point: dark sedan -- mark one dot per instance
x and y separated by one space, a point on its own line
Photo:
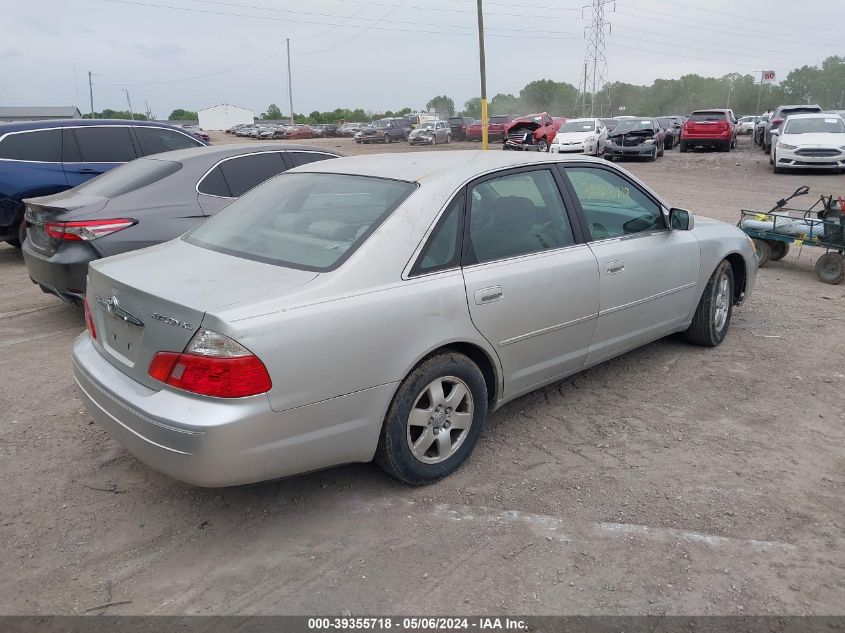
632 138
145 202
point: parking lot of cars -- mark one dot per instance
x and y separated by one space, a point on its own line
669 480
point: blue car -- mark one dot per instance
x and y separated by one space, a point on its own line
40 158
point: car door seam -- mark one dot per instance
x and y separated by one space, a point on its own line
545 330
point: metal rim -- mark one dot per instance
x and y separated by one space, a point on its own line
440 419
723 302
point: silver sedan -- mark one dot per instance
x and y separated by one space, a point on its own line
379 307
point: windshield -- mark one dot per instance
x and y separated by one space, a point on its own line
456 119
302 220
634 125
816 125
380 123
426 126
130 177
706 117
578 126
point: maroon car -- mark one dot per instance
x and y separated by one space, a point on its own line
299 131
496 126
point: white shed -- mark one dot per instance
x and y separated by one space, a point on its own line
224 116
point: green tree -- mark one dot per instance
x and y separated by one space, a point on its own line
504 104
183 115
116 114
473 108
442 105
273 113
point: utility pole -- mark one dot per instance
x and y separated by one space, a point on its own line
730 89
129 103
584 97
483 68
91 93
147 106
759 96
290 84
596 56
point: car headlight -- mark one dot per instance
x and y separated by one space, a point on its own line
648 141
610 141
589 139
786 146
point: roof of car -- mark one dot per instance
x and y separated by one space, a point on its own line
235 149
54 123
457 166
814 115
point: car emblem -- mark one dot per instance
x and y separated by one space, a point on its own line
167 320
112 306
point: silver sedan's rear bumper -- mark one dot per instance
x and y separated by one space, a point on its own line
220 442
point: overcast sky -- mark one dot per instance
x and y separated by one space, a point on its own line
380 54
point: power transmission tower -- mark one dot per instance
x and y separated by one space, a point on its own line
596 58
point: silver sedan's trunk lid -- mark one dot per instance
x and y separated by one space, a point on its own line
154 300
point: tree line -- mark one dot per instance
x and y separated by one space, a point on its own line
823 84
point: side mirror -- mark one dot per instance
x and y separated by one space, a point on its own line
680 219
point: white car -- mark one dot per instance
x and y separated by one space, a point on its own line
585 136
746 125
809 141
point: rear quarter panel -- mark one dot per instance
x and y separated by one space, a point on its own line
20 179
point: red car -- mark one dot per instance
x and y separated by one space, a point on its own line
299 131
532 132
709 128
495 128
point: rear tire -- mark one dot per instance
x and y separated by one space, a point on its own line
712 317
683 147
778 249
423 413
764 252
830 268
388 139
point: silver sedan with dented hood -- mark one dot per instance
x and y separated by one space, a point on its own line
379 307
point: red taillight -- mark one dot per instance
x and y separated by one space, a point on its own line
86 230
89 320
212 365
776 122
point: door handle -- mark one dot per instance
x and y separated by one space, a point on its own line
488 295
616 266
87 171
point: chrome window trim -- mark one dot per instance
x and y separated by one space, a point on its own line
266 151
82 127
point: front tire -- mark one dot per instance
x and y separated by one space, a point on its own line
434 421
713 315
543 145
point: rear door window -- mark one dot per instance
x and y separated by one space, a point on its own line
154 140
245 172
111 144
43 146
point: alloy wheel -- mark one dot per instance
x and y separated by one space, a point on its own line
722 304
440 419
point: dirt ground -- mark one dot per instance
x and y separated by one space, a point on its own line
672 480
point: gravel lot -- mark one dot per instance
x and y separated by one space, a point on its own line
672 480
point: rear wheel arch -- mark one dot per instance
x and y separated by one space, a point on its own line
478 355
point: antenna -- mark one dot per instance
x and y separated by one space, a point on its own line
595 60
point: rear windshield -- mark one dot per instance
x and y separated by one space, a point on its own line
816 125
458 119
801 110
130 177
303 220
578 126
706 117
